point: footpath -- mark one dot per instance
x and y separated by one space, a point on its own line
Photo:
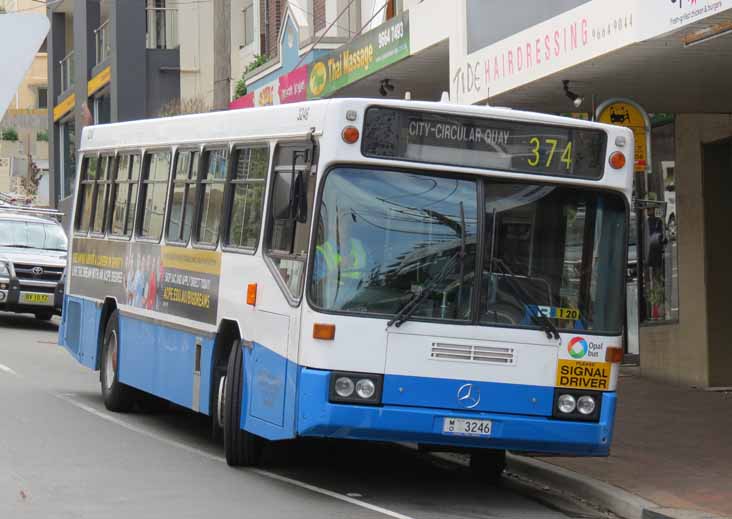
671 455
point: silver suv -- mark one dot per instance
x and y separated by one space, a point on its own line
32 261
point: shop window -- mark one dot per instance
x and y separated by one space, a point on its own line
655 244
247 196
155 183
183 197
212 199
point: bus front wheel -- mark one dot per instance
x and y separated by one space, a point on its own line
488 465
241 447
117 396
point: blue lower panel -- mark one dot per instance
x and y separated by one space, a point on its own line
80 329
161 361
318 417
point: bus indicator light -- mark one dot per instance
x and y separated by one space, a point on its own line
324 332
617 160
614 355
252 294
350 134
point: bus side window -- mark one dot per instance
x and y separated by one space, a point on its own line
102 193
211 198
246 197
183 197
291 208
155 183
86 194
123 199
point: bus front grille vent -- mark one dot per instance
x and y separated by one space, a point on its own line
472 353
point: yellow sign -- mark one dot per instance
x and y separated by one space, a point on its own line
630 116
202 261
64 107
98 81
579 374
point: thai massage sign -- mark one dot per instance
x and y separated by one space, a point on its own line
362 57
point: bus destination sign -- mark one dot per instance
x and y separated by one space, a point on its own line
484 143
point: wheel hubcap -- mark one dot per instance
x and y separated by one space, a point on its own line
110 361
220 402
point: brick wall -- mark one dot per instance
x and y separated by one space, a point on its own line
318 15
274 18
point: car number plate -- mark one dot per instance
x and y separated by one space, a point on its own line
466 427
36 299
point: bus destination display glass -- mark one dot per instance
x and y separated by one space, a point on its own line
484 143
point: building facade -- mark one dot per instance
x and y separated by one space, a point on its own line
108 61
24 127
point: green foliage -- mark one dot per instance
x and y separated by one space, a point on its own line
241 85
42 136
9 134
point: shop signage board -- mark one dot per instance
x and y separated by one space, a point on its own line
365 55
575 36
624 112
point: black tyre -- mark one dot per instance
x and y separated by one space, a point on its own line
117 396
241 447
488 465
44 316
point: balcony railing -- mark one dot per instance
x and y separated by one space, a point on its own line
103 39
162 28
67 71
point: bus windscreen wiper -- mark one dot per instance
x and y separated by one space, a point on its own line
406 311
537 316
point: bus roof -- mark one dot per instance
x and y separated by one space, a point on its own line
283 121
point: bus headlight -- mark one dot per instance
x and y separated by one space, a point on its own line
566 403
580 405
344 387
355 388
365 388
586 405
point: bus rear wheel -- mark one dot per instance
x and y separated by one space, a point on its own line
117 396
241 447
488 465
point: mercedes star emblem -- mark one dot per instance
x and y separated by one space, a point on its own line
468 395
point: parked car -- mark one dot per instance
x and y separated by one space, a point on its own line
33 248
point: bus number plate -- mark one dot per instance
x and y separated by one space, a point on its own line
466 427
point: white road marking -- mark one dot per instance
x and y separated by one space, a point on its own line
6 369
68 397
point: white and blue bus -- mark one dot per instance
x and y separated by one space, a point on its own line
449 276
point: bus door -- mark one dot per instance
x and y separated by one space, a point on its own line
286 249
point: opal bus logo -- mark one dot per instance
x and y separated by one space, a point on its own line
577 348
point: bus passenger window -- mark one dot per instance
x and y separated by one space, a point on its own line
247 197
86 193
212 201
102 190
183 196
155 182
122 200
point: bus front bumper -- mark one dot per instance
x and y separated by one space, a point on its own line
317 417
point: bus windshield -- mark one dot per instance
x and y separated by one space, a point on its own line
385 238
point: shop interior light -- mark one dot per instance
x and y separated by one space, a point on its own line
707 34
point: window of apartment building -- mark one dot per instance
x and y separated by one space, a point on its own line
248 20
154 186
212 197
42 95
67 148
102 108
